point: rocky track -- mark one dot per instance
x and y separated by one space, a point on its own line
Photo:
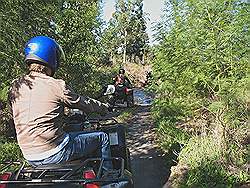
147 161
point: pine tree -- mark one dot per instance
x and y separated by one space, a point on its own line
128 30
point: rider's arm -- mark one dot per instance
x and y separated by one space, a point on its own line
86 104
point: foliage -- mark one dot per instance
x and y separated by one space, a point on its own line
200 72
78 30
125 116
126 30
9 150
169 135
207 169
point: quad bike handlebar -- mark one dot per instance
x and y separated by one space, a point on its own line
80 122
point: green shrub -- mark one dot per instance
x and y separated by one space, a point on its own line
201 75
170 135
207 165
9 150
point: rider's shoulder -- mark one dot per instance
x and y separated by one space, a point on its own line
18 81
57 82
61 82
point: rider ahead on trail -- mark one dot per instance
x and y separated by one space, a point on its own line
38 102
121 79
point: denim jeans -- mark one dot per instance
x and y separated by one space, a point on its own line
81 144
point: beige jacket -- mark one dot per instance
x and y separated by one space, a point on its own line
38 103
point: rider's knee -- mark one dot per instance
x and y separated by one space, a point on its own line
104 137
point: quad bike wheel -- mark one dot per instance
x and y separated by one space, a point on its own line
130 100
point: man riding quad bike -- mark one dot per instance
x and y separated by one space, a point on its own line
38 100
122 79
120 91
86 172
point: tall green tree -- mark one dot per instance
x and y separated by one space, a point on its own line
78 31
127 29
138 38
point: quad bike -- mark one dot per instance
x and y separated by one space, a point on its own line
119 94
83 172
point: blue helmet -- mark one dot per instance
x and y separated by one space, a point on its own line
45 51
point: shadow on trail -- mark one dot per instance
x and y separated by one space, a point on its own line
150 165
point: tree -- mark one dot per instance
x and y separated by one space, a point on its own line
201 75
79 32
127 29
138 39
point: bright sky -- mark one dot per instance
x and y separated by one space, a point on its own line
152 7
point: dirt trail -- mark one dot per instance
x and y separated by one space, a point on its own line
147 161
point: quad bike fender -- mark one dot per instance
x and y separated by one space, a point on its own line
110 90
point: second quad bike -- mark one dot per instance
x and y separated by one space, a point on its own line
119 94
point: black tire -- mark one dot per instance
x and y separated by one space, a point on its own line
111 100
128 161
130 100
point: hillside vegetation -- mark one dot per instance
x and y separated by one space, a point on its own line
201 77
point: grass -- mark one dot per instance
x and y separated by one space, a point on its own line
9 150
207 165
125 115
170 135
